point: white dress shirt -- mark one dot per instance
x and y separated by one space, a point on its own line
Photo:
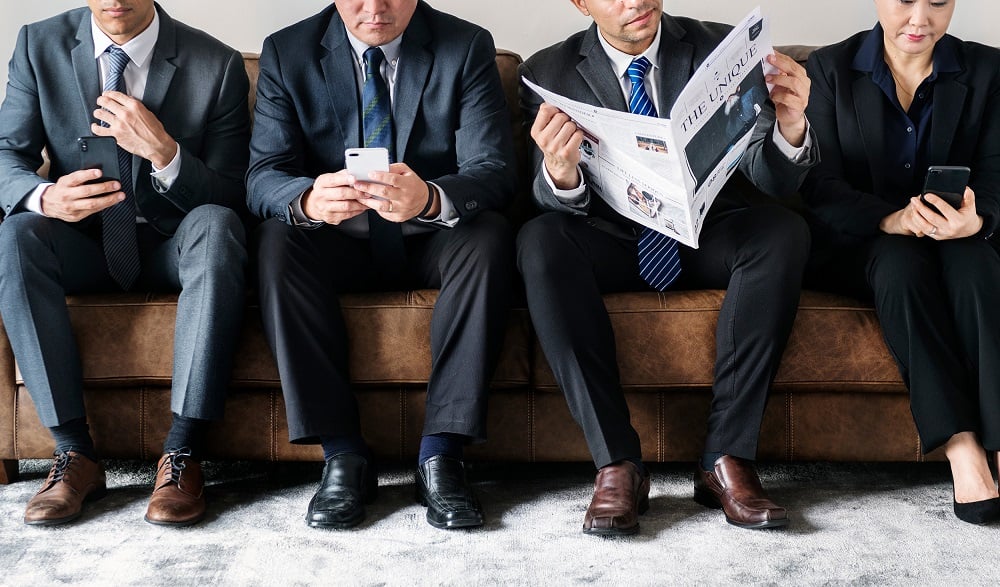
140 52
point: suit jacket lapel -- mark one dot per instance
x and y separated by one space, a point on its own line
949 99
596 71
338 71
675 61
868 103
161 73
414 68
86 71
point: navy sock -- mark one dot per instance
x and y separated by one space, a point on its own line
708 460
445 443
74 436
186 433
338 445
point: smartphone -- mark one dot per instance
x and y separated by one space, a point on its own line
99 153
949 182
361 161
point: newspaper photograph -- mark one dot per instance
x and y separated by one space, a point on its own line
664 173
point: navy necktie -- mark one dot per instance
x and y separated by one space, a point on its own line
659 259
386 237
121 249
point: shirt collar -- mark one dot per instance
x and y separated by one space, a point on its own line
620 60
139 48
871 56
390 49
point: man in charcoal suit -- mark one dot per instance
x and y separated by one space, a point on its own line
175 101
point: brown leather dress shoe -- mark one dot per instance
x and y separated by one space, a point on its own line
735 487
621 494
73 479
179 493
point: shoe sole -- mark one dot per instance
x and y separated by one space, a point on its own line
642 508
449 525
183 524
94 495
335 525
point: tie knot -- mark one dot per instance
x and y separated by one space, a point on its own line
637 70
373 60
118 58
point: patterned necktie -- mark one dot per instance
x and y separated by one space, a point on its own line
659 259
386 238
121 249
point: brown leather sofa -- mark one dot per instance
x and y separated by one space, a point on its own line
838 395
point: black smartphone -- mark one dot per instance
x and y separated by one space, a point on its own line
948 182
99 153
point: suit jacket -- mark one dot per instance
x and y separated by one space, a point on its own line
845 193
578 68
449 112
197 87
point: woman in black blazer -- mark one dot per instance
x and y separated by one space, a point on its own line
885 105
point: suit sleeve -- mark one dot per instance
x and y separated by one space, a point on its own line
484 147
541 191
767 167
827 191
215 173
22 136
277 147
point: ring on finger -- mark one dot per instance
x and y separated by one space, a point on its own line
390 211
932 232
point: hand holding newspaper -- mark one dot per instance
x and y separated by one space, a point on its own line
665 173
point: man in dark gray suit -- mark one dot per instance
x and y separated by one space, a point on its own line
423 85
175 100
636 58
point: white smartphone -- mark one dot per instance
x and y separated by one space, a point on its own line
361 161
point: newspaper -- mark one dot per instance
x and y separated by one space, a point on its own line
665 173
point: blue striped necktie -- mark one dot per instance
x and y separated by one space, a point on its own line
659 259
386 238
121 248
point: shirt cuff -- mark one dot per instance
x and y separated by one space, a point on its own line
573 196
298 215
794 154
448 216
33 203
163 179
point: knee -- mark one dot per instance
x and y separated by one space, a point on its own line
215 235
543 245
781 235
488 242
22 235
899 261
970 264
275 245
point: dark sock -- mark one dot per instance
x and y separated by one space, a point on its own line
74 436
445 443
708 460
186 433
338 445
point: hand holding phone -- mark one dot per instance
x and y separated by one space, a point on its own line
947 182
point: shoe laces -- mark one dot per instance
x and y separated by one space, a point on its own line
176 461
60 467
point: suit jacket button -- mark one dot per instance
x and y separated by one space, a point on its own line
470 206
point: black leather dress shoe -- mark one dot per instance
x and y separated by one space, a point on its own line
441 486
349 482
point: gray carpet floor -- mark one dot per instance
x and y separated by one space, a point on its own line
852 524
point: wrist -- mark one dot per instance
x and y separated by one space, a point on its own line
432 196
164 155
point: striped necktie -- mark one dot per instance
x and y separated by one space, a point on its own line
386 238
659 259
121 248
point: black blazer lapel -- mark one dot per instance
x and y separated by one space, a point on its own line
338 72
949 103
868 103
414 68
596 71
87 72
675 62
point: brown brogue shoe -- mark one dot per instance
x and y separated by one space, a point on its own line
73 479
179 493
734 486
621 494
